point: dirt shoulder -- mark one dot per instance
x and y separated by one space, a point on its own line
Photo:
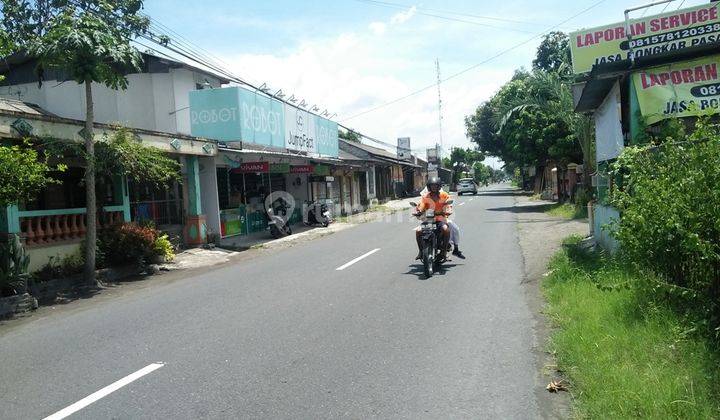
540 236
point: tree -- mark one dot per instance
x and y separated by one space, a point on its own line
349 135
461 160
554 96
90 39
553 54
22 173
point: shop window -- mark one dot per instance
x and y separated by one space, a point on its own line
162 205
223 184
69 192
371 181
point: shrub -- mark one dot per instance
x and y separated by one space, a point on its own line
13 267
58 267
128 243
164 248
670 206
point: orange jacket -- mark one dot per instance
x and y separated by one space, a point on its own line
426 202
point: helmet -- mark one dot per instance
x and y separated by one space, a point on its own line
433 181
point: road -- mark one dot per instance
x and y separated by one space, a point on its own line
287 335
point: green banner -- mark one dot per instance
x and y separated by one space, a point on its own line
683 89
279 168
650 35
322 170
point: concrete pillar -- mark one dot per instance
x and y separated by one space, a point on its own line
122 195
9 220
195 229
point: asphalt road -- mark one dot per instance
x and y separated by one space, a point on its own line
287 335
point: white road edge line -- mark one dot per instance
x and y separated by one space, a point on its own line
344 266
104 392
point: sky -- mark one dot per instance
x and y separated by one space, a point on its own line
351 56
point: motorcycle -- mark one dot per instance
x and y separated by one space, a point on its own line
317 214
277 225
430 234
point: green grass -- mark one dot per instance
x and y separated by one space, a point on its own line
567 211
625 357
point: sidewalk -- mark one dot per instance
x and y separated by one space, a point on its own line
540 236
227 248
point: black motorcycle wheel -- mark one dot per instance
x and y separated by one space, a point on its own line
275 232
428 261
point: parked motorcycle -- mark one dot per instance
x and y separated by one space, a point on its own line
431 239
317 214
279 226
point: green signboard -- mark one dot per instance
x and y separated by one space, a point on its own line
650 35
683 89
322 170
279 168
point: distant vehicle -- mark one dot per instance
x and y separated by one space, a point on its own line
467 186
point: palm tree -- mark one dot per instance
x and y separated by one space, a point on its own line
552 93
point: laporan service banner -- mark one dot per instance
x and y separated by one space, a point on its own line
683 89
650 35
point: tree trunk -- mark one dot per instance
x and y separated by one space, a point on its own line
91 204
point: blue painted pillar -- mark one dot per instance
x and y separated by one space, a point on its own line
9 220
122 195
195 230
193 183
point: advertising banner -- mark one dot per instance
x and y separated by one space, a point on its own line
252 167
300 133
432 155
651 35
327 137
403 148
279 168
262 119
302 169
683 89
237 114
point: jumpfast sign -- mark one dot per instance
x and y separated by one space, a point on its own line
650 35
237 114
689 88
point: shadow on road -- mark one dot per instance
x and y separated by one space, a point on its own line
535 208
417 270
504 193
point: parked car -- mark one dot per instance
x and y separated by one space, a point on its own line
467 186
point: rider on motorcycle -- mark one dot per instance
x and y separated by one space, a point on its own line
436 200
454 231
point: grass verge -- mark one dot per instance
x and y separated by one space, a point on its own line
567 211
625 356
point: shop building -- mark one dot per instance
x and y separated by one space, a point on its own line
630 86
54 224
266 147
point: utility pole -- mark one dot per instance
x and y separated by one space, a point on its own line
440 118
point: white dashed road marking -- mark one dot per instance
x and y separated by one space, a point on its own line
344 266
104 392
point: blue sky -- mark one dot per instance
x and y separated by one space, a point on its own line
350 55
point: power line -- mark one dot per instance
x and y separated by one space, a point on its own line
447 12
443 17
503 52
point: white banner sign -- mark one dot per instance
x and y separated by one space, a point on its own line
300 132
403 148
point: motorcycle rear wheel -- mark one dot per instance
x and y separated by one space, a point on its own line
428 258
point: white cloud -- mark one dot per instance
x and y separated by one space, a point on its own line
377 28
352 72
403 17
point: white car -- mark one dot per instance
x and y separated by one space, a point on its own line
467 186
